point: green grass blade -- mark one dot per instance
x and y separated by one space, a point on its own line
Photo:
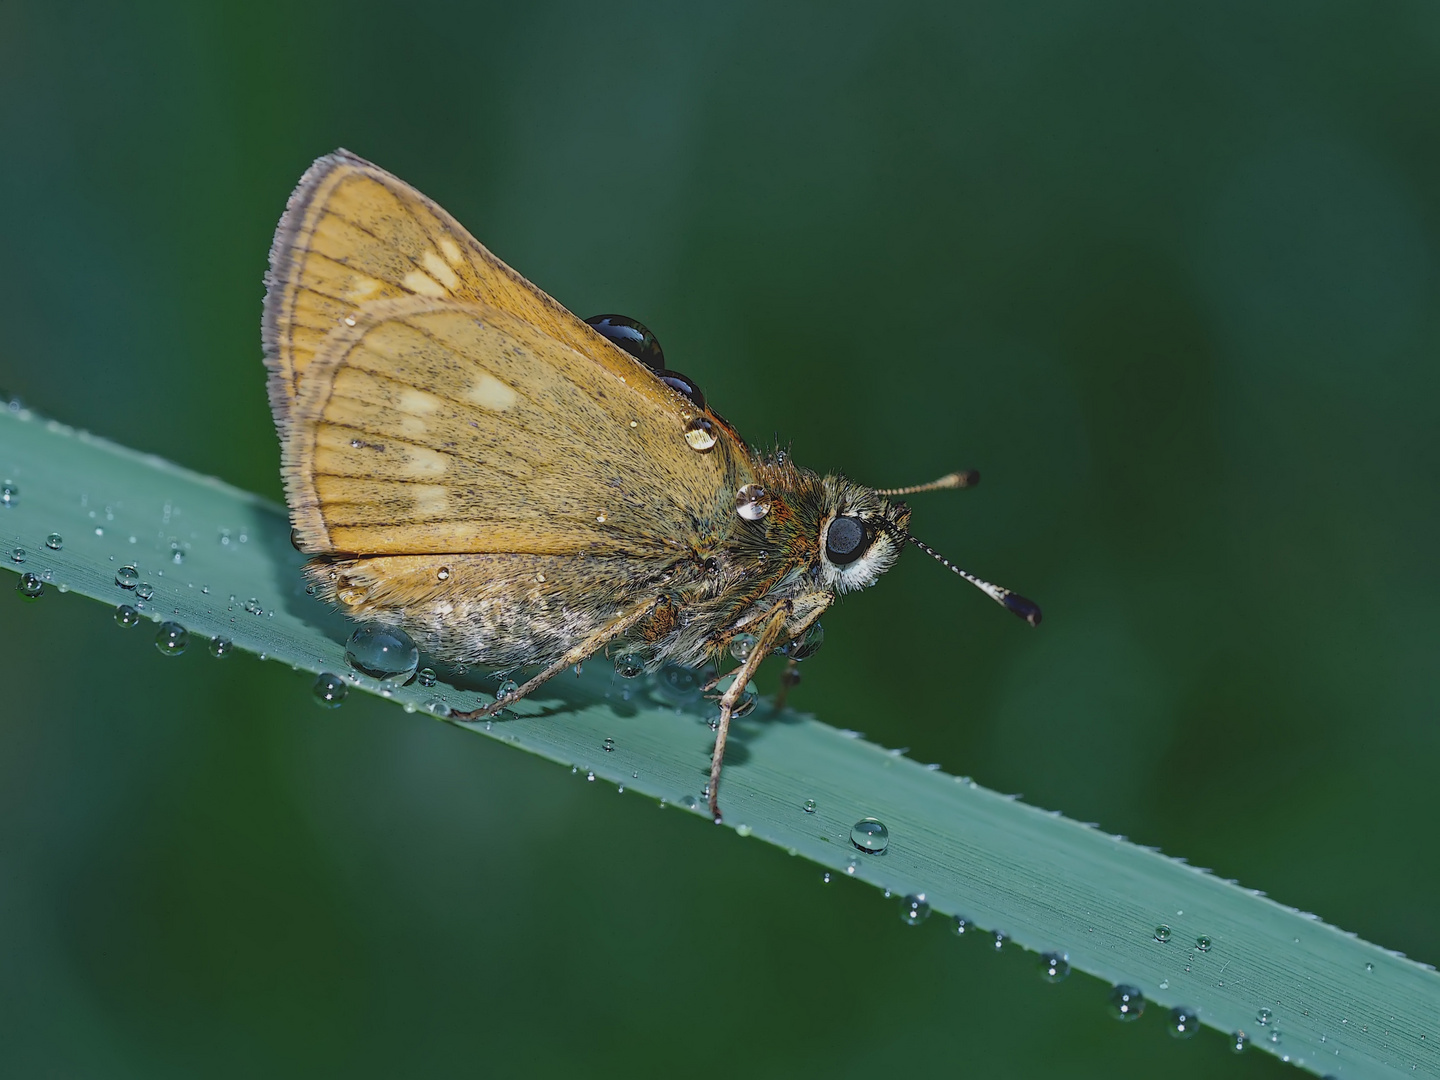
1336 1004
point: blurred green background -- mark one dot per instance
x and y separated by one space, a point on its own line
1167 277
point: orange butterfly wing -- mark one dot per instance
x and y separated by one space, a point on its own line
431 400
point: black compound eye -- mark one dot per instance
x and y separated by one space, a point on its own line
632 337
846 540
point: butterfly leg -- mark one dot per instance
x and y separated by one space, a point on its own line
789 679
774 626
594 643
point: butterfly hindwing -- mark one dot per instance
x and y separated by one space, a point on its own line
433 426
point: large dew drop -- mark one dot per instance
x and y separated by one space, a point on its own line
383 653
677 684
914 909
629 665
804 646
329 690
745 703
700 434
752 502
1126 1002
171 639
870 835
1183 1023
742 645
1054 967
30 587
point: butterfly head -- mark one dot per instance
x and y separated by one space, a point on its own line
860 535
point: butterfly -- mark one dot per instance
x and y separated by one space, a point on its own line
518 488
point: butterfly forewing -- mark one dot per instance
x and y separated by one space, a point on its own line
352 235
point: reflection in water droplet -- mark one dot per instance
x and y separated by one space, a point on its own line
329 690
1000 938
145 590
677 684
752 502
426 677
9 493
17 555
1203 943
1239 1041
960 926
29 587
507 690
1369 967
741 645
221 647
1126 1002
744 704
809 806
127 577
825 878
1263 1017
1162 933
870 835
1183 1024
590 776
172 639
629 665
914 909
126 616
608 746
806 645
253 606
700 434
54 541
383 653
1274 1037
1054 967
443 574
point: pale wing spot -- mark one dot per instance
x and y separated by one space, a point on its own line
441 271
418 402
431 501
452 251
361 288
415 428
420 461
423 284
490 393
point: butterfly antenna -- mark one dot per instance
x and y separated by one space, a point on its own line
1011 601
968 478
